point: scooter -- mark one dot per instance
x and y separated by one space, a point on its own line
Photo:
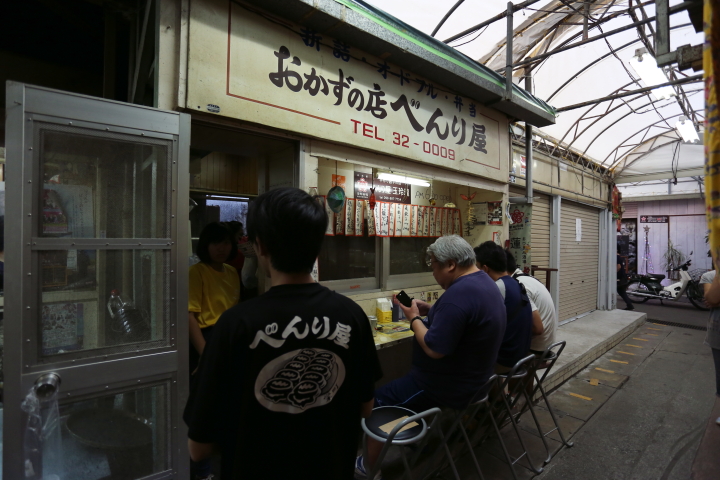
644 287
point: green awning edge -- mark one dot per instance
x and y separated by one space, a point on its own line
438 48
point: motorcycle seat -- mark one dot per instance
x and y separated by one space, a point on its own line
656 276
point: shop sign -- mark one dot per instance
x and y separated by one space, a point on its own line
385 191
520 235
268 71
652 219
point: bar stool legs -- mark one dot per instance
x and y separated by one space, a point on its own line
545 362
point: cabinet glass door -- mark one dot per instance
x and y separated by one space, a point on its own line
95 364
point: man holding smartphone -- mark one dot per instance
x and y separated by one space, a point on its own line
455 346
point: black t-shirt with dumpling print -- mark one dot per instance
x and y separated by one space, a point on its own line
280 385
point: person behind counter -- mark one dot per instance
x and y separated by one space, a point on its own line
286 376
455 347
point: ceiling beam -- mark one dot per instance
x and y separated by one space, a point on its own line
658 176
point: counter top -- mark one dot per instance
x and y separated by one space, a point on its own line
385 340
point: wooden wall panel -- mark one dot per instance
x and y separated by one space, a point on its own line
223 172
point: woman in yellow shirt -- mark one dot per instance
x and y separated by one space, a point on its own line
213 288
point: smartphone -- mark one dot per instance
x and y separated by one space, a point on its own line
404 299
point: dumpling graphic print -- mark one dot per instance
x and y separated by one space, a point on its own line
300 380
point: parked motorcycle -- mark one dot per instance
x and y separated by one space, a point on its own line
644 287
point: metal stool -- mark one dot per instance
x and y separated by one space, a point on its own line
546 362
383 415
479 400
519 373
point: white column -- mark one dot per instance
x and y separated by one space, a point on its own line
555 251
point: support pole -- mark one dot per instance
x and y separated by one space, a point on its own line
528 146
509 56
585 21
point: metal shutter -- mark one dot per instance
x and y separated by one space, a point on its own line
578 260
631 210
540 232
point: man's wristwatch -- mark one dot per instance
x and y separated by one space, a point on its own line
417 317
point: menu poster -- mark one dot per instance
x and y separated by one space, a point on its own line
433 221
426 222
372 218
495 213
446 222
391 219
331 217
359 207
406 221
414 221
62 327
340 221
456 217
350 217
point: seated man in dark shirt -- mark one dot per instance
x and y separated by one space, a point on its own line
523 319
285 378
455 346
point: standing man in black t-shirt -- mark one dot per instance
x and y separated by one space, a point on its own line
285 379
622 283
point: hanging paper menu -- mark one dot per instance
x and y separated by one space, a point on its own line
340 221
330 229
359 205
456 220
350 216
445 230
414 221
398 219
406 221
371 218
384 218
426 221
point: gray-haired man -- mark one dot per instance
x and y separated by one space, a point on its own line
455 347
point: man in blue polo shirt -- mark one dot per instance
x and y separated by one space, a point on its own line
455 347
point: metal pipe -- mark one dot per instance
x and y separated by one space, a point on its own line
509 54
447 15
494 19
675 9
528 148
696 78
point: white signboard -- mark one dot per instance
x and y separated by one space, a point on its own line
268 71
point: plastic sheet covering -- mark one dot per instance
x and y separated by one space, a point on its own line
43 441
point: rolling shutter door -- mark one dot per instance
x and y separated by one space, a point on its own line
578 260
540 232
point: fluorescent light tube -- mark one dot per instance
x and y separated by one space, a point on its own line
687 130
403 179
223 197
646 67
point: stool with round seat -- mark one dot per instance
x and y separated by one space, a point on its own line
382 416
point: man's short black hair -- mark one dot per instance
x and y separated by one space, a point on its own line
291 225
214 233
491 255
511 263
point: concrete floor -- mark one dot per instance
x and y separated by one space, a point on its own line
651 427
681 311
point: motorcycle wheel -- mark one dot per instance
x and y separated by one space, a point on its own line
638 287
696 296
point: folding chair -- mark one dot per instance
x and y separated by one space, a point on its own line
546 362
384 415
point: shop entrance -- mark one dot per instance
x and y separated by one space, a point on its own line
96 363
